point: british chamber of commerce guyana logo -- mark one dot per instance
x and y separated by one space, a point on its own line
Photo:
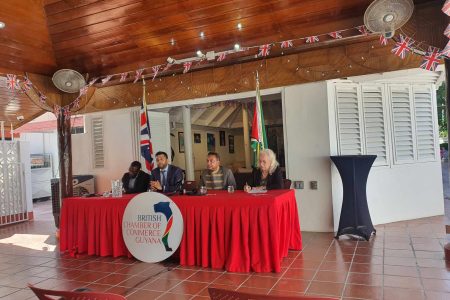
164 208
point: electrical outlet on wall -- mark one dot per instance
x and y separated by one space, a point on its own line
299 185
313 185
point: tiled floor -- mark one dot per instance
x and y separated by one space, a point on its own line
403 261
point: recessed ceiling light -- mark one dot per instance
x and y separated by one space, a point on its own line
237 47
239 26
172 41
202 35
2 25
199 53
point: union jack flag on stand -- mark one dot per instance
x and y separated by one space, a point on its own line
446 8
446 50
221 56
312 39
138 75
383 40
287 44
264 50
12 83
123 76
187 66
402 47
363 29
335 34
146 144
431 59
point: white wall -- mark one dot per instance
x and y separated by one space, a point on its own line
200 150
24 148
44 142
308 151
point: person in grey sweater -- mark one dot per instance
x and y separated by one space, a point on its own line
216 177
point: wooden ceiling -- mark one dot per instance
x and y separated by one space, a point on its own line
100 37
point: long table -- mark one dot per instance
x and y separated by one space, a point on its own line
238 232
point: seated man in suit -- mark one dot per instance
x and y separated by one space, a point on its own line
166 178
136 180
216 177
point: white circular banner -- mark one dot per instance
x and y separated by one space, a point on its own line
152 227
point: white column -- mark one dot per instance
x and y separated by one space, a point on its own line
188 154
245 128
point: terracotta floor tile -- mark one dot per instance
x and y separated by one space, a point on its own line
89 276
401 271
366 268
398 253
402 282
135 281
188 288
260 282
291 285
253 290
331 276
231 279
171 296
99 287
304 274
22 294
398 246
400 261
285 293
161 284
203 276
430 254
124 291
431 263
144 295
369 251
113 279
335 266
390 293
437 285
204 292
363 291
437 295
305 264
368 259
434 273
201 298
365 279
325 288
178 274
4 290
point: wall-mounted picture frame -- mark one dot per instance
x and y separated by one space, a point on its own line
222 138
181 142
197 138
211 142
231 143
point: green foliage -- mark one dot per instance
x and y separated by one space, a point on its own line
441 110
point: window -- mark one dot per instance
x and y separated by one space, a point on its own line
77 130
424 125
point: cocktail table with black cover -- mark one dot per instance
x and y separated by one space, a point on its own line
355 217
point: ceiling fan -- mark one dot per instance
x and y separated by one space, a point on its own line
386 16
69 81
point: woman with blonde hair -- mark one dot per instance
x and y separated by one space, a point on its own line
268 175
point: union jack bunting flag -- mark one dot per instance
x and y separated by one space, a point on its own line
363 29
335 34
57 110
287 44
42 97
446 50
264 50
83 90
27 85
12 83
76 103
155 70
138 75
221 56
446 8
187 66
93 81
66 112
383 40
106 79
447 31
312 39
123 76
431 59
402 47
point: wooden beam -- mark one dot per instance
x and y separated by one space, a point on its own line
196 114
224 116
213 113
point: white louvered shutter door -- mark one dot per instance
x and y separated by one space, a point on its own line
348 119
402 123
374 122
97 142
423 109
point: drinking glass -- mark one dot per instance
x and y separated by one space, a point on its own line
230 189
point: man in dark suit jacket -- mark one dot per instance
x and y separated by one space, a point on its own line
166 178
136 180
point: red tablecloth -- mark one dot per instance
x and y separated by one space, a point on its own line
239 232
